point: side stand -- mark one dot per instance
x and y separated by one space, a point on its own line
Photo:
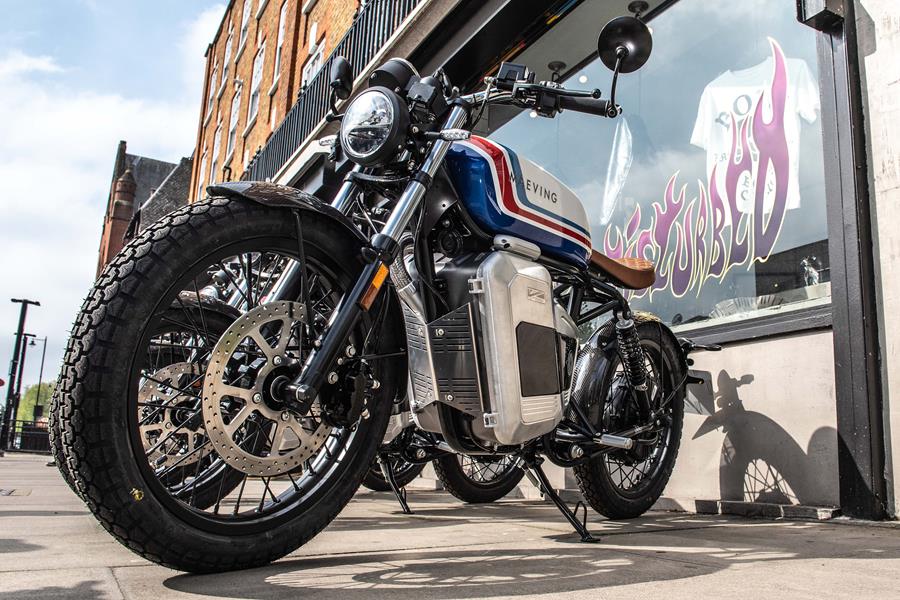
539 479
388 471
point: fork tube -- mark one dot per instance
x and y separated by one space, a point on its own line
344 198
383 248
415 191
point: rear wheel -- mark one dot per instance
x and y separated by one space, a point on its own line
478 479
624 484
196 465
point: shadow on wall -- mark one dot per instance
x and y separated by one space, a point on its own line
760 461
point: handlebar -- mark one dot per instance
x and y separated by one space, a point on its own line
591 106
531 94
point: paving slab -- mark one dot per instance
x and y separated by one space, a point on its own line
51 547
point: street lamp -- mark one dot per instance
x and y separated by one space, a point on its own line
14 370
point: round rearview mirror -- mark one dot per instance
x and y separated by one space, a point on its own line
626 38
341 78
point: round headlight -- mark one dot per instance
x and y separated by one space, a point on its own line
374 127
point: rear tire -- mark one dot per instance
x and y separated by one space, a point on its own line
596 478
466 485
98 392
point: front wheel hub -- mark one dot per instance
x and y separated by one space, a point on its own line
246 424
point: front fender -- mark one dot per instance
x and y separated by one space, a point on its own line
283 196
392 338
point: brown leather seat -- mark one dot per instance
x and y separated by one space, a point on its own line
630 273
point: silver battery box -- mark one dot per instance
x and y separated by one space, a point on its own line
513 297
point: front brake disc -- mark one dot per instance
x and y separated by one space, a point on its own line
247 426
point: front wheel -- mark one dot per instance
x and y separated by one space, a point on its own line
176 441
624 484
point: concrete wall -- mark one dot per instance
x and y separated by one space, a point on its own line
878 24
764 427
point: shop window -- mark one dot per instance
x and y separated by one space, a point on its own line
715 168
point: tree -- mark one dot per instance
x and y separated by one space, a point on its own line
30 400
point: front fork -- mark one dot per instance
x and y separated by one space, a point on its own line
380 253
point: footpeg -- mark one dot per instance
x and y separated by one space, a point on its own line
615 441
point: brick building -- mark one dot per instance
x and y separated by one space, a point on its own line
136 179
263 54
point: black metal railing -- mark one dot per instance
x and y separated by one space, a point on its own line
29 436
371 29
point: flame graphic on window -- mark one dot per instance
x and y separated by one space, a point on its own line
694 240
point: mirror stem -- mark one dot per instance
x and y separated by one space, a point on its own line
621 53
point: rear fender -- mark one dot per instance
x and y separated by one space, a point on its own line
392 332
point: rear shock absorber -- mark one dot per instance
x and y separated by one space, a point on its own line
633 362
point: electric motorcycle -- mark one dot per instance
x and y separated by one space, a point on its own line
467 301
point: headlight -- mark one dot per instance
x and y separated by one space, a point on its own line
374 127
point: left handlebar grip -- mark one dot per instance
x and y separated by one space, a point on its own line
591 106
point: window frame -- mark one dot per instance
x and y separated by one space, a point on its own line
317 54
244 32
279 45
255 86
217 147
229 43
212 90
233 119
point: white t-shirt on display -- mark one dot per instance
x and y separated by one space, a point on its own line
736 93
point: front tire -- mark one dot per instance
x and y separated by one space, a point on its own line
101 376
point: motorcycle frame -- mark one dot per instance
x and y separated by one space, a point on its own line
574 286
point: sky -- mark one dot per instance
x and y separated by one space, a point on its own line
77 76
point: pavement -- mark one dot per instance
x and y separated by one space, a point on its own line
51 547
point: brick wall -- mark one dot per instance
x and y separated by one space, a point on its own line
327 19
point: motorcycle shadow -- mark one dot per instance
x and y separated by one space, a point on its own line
510 558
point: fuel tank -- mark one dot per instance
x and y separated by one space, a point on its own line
506 194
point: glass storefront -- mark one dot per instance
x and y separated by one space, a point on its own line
714 171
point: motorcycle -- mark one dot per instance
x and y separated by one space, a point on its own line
250 439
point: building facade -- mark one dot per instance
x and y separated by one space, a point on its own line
754 164
264 53
134 180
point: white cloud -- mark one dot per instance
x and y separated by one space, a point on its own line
18 63
57 145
